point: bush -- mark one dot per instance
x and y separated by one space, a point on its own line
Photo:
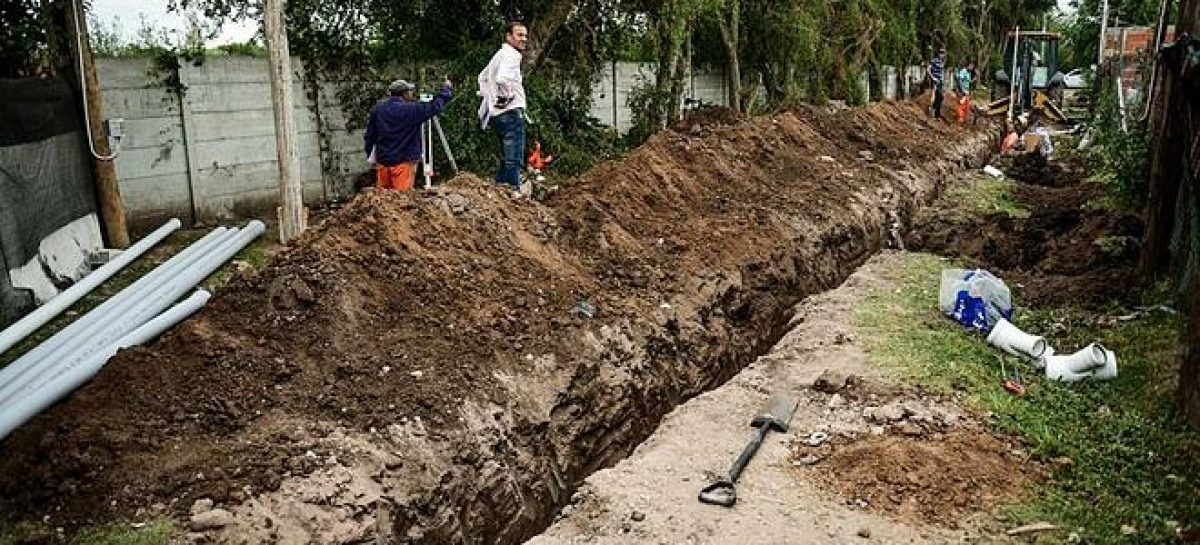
1122 158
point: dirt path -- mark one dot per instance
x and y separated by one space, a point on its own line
651 496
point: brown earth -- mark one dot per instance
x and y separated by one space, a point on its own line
790 491
938 478
447 331
1064 252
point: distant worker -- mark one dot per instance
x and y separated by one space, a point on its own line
937 73
392 140
503 104
963 81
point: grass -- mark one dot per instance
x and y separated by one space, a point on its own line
1134 462
156 532
988 195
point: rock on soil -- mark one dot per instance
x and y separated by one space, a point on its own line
691 250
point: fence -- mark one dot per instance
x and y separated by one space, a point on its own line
48 223
207 152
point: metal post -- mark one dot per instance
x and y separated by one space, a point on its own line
1012 80
445 145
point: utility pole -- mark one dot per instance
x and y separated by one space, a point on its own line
112 209
293 218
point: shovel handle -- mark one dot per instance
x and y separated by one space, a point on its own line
748 453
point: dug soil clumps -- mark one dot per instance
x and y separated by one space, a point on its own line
1064 250
937 479
446 366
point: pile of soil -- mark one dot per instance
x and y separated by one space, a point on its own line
1065 252
490 353
1034 168
930 480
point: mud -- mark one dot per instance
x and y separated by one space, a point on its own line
1066 251
426 366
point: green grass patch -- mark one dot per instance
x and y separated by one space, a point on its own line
988 195
157 532
1134 462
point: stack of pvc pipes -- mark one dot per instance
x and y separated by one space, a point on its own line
135 315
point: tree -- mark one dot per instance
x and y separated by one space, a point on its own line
22 37
729 17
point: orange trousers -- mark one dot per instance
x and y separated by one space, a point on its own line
964 108
399 176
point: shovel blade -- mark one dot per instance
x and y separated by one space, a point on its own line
777 413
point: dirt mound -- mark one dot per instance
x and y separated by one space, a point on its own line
935 480
442 330
1063 252
1033 168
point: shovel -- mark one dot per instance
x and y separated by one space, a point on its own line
775 416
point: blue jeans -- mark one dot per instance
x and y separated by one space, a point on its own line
511 128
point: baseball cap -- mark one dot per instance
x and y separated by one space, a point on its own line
401 85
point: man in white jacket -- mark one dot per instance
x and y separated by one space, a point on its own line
503 104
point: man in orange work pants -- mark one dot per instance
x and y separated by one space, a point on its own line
401 176
392 140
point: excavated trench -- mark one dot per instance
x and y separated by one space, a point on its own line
447 367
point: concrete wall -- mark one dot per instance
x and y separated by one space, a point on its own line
617 81
208 154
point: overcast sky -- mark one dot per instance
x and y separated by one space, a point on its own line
128 12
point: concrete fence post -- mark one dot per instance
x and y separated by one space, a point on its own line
888 79
864 85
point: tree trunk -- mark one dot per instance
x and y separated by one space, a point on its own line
542 31
292 217
729 22
672 28
1189 372
1177 127
112 208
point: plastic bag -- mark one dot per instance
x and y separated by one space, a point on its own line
975 298
1047 148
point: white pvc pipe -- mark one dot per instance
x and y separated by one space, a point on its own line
16 414
13 334
90 330
152 305
1109 370
1011 339
1103 36
72 333
1121 104
1078 366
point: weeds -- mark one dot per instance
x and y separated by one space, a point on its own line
157 532
1124 461
988 195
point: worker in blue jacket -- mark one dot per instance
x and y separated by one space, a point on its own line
393 137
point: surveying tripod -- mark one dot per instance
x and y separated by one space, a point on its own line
427 129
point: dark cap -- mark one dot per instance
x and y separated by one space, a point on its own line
400 85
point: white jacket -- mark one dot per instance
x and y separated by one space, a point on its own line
501 79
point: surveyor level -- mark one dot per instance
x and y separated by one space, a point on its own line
427 129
